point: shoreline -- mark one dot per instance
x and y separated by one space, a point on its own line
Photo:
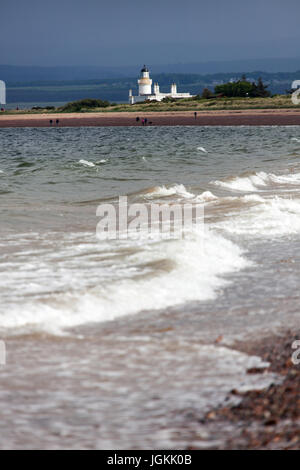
251 117
267 419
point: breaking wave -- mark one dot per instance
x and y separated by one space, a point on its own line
257 181
86 163
163 191
157 276
270 217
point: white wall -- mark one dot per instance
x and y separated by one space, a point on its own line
2 92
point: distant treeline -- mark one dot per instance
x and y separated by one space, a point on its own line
76 106
116 89
242 88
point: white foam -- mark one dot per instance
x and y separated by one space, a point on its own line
251 198
202 149
206 196
86 163
294 139
244 183
102 161
290 179
258 181
272 217
163 191
194 273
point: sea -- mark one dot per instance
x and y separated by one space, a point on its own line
126 343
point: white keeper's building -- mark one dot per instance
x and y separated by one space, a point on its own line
145 90
2 92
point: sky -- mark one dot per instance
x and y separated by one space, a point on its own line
129 32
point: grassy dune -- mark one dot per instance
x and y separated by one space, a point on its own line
275 102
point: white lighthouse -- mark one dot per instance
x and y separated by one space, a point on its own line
145 90
145 82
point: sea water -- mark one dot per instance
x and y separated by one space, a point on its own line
127 343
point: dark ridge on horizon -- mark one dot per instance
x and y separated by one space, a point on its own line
18 74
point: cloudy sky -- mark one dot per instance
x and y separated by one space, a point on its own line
129 32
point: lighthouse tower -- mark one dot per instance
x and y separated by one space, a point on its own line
145 83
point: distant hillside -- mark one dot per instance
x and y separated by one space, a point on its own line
21 74
116 89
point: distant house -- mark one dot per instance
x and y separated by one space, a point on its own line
2 92
146 93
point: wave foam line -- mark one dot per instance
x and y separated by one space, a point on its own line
274 217
163 191
257 181
86 163
197 264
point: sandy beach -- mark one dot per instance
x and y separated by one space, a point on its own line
263 117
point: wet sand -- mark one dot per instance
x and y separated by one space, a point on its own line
264 117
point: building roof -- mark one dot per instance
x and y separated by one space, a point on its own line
145 69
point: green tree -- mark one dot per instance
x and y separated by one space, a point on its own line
243 88
206 93
260 89
87 103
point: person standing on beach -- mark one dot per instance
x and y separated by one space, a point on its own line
51 122
57 122
195 114
146 120
143 122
